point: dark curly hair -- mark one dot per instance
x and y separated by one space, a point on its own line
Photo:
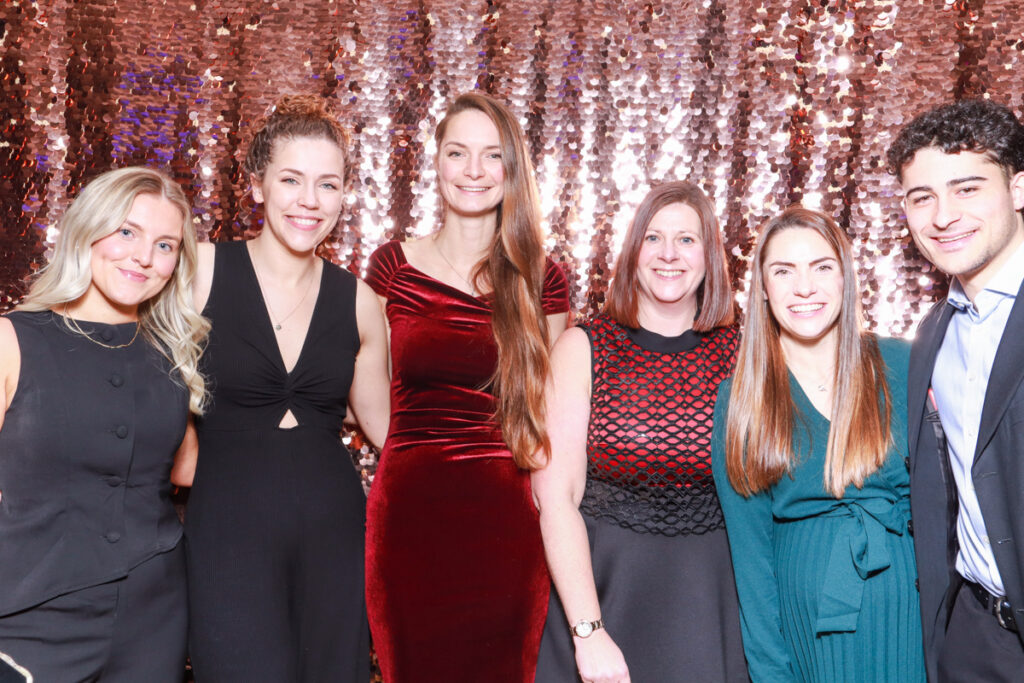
980 126
294 116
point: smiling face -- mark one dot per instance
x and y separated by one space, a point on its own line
302 192
670 264
803 282
964 213
132 264
469 165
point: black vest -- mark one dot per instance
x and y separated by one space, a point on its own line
86 450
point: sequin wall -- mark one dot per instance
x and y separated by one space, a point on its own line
763 103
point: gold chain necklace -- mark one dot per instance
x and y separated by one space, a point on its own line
472 289
73 324
270 312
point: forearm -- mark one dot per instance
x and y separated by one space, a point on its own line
567 548
184 469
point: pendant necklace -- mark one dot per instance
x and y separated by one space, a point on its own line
472 289
280 321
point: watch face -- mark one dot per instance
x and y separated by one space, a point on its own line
583 629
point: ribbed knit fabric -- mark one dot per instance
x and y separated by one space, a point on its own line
827 587
887 643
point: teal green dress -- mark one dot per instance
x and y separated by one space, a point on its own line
826 587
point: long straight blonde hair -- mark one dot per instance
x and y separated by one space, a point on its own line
514 268
169 320
762 415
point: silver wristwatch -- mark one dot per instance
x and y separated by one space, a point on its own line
583 628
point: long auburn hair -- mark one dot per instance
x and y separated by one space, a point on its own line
514 269
762 415
715 307
168 320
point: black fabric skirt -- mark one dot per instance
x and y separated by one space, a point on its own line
668 602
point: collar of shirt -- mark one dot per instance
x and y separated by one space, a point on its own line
1005 283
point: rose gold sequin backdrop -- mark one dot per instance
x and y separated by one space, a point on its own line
763 103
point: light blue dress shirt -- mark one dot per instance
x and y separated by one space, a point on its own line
959 381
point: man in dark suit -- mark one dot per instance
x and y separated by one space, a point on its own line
961 166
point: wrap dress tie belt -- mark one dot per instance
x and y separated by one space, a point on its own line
859 551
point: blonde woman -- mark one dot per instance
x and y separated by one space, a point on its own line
98 376
808 452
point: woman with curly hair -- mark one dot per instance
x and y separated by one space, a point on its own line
275 517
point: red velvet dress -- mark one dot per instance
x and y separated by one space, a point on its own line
456 582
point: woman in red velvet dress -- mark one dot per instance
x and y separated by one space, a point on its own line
456 582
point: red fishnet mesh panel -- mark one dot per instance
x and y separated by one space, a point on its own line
649 440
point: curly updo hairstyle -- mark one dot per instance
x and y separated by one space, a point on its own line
293 117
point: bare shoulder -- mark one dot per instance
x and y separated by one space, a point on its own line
10 361
363 290
367 301
206 251
573 340
571 353
8 338
205 259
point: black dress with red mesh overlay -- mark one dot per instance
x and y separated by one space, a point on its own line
657 537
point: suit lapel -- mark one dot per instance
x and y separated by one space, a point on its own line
1006 376
922 362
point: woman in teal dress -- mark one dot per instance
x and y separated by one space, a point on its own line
808 455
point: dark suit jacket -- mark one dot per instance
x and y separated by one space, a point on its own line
998 475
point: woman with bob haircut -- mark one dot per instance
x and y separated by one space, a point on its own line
808 452
98 376
275 519
456 581
632 528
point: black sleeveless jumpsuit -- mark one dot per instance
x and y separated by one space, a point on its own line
275 519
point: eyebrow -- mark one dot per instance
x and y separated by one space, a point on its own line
295 171
459 144
682 231
813 263
949 183
133 224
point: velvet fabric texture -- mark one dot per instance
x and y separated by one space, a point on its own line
457 585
